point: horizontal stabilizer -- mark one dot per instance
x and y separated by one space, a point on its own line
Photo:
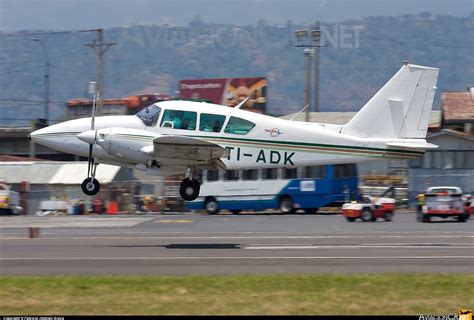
412 145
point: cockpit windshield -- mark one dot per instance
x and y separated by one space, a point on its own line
149 115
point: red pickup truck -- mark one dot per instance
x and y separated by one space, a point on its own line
444 202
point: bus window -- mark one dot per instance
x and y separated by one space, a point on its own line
211 122
251 174
345 170
290 173
338 171
315 172
178 119
212 175
269 174
238 126
199 175
231 175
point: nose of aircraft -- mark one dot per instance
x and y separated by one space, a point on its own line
40 134
87 136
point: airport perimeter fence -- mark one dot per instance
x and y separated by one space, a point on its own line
162 196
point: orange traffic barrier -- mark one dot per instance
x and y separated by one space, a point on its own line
112 207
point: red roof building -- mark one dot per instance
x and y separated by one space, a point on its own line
458 110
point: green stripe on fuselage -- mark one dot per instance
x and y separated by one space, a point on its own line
280 145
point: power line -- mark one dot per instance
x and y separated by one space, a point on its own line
21 70
75 52
417 43
25 100
112 77
34 33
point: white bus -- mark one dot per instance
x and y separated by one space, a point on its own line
308 188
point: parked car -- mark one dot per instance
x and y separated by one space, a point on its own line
9 201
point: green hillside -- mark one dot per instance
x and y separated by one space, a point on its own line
359 57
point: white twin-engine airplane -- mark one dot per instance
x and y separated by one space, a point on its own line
175 137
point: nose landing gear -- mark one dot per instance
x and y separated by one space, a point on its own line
91 186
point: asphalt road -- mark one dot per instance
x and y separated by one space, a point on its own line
230 244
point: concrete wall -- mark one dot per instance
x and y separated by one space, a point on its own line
420 179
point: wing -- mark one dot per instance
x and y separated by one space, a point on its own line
196 150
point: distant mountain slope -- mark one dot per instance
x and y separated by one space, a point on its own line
359 57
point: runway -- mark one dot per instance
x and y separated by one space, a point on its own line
232 244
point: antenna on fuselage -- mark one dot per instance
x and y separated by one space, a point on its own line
299 112
242 103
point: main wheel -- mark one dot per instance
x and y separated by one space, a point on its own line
350 219
211 206
426 218
462 217
388 216
90 186
189 189
367 215
235 211
311 210
286 205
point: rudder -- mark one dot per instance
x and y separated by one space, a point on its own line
401 109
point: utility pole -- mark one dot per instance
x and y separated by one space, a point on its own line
310 40
100 48
309 52
46 80
316 38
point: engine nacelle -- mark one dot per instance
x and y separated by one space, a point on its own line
125 143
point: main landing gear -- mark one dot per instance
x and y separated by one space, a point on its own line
189 188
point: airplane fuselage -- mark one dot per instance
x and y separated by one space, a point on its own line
271 142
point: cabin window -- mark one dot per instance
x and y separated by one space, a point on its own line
178 119
211 122
238 126
149 115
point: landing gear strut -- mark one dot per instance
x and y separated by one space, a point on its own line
189 188
91 185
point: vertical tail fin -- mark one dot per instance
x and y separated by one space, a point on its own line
401 109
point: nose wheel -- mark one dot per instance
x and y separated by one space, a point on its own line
189 189
90 186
